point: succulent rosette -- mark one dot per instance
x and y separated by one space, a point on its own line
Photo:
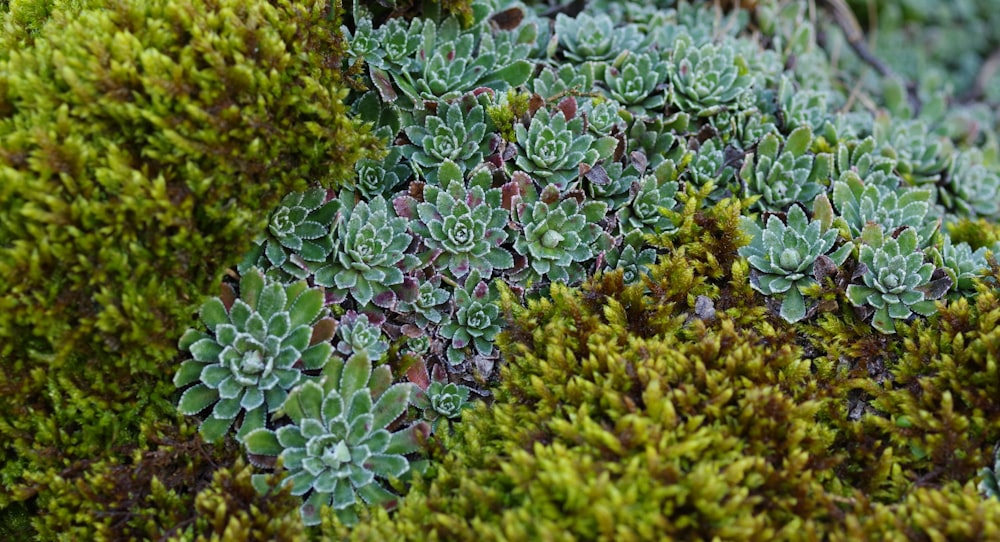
339 446
256 348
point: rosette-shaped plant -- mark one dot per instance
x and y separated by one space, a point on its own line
860 203
466 226
256 349
603 116
370 256
455 131
552 148
705 80
961 264
441 401
610 183
476 322
556 237
636 81
631 257
897 280
920 157
712 162
338 446
857 156
381 177
552 83
644 211
450 62
587 37
358 334
299 234
972 190
425 309
783 174
783 255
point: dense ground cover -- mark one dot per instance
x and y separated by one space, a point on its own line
616 271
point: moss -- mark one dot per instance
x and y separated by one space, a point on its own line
141 144
628 413
175 486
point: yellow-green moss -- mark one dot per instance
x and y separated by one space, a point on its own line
141 145
636 413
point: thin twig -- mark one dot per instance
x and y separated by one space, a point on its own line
847 22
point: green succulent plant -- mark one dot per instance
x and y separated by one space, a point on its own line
783 172
962 265
476 322
636 80
556 237
456 131
553 147
656 138
860 203
897 280
338 446
783 256
705 80
256 349
611 182
465 226
370 253
603 116
379 177
633 257
359 334
971 190
648 198
920 157
715 163
553 83
989 486
299 234
450 62
858 156
586 37
426 308
441 401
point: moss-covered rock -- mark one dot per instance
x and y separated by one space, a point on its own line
141 145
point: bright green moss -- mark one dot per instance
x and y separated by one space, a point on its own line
141 145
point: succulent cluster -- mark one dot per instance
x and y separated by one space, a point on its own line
524 155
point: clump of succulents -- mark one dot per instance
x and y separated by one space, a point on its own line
299 234
370 253
556 237
783 172
876 202
897 280
705 80
783 257
552 148
256 348
455 131
340 445
713 162
594 37
636 81
464 225
476 322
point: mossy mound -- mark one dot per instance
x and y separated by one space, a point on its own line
141 146
679 409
